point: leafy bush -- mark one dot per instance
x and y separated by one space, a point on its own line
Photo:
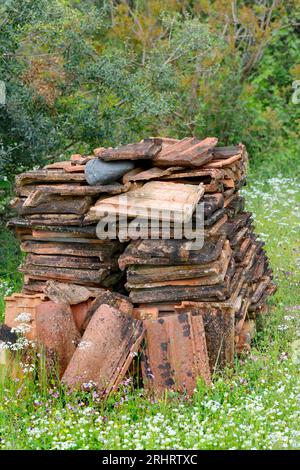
85 74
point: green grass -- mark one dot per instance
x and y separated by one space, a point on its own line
256 406
10 258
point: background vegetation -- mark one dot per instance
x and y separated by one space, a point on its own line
81 74
84 74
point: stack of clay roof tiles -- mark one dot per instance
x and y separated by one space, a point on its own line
97 304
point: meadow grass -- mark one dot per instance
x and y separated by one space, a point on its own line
254 406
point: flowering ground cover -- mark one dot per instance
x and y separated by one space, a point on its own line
254 406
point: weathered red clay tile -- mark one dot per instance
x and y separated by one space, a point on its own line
146 149
57 332
79 312
106 350
219 331
20 309
113 299
71 294
175 355
189 152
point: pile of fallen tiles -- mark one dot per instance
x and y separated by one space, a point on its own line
97 305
